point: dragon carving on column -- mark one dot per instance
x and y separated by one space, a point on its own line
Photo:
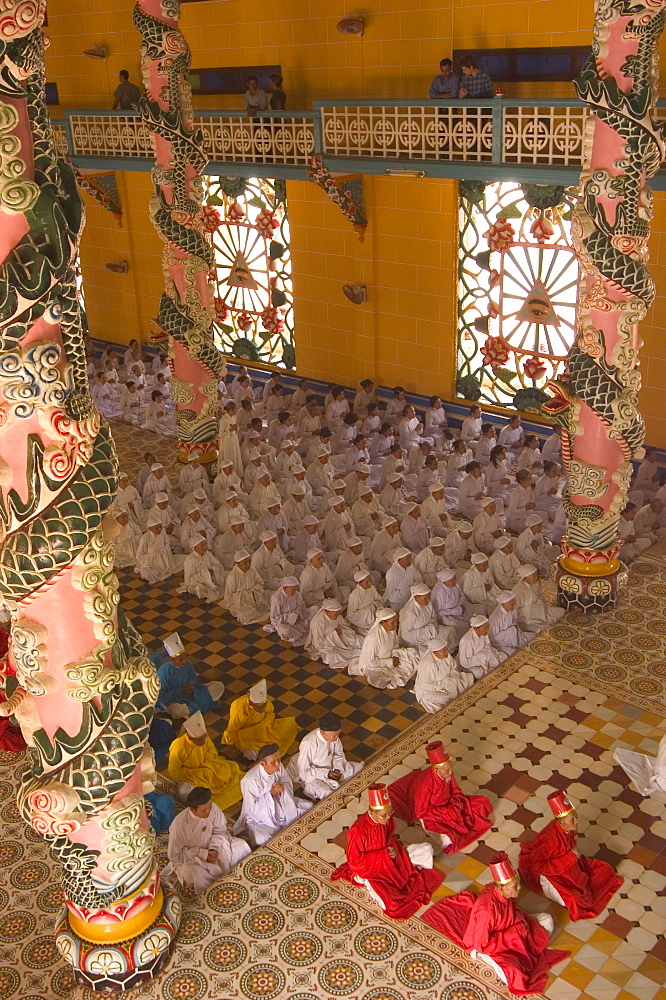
182 221
78 679
595 402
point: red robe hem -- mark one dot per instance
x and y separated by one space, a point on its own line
443 807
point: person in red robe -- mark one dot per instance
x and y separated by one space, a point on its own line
493 929
552 865
433 798
400 880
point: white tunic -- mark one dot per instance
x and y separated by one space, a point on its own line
263 815
245 597
470 494
429 565
457 550
154 559
231 542
364 603
398 582
271 565
376 662
452 609
418 625
478 655
289 617
436 514
204 577
438 681
126 542
518 508
505 567
415 532
485 527
382 548
130 500
315 582
504 632
480 588
533 612
332 642
647 773
531 549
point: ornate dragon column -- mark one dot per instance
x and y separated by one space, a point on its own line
78 679
182 222
596 401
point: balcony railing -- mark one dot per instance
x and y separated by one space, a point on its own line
539 138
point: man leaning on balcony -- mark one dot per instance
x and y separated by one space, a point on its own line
475 82
446 84
255 98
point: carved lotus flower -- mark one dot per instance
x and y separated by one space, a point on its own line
495 352
500 235
534 368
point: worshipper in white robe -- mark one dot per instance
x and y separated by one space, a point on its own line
381 444
167 515
284 461
559 526
504 632
512 437
201 850
384 546
478 583
552 448
382 662
357 455
531 548
530 456
435 511
487 526
235 538
274 520
350 561
471 491
504 563
193 526
244 593
320 473
227 480
154 559
307 538
156 417
438 677
193 475
476 653
128 498
632 546
253 469
158 482
144 472
337 526
457 463
354 481
330 638
430 561
320 764
470 431
228 445
262 492
401 576
204 573
459 545
126 541
270 561
435 419
290 618
451 605
317 580
392 497
647 773
296 508
521 502
367 516
533 612
498 478
229 508
418 621
485 444
414 529
546 492
428 476
364 603
647 476
393 464
103 398
268 798
647 521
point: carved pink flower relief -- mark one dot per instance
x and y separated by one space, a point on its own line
244 322
500 235
495 352
534 368
542 229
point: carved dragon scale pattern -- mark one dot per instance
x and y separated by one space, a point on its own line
595 402
78 679
186 309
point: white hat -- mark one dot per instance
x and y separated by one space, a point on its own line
437 643
287 443
419 590
273 502
231 494
195 726
236 519
296 470
331 605
400 553
464 526
241 554
532 519
258 693
193 457
486 502
120 510
505 596
123 475
193 508
435 487
354 540
161 497
526 571
389 520
339 484
155 466
334 501
477 620
262 471
173 644
320 452
266 536
364 491
198 539
153 521
310 519
311 553
363 467
200 494
411 507
478 558
436 541
395 477
225 464
289 581
385 614
502 542
361 574
446 574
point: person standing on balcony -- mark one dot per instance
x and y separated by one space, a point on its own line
255 98
127 94
278 98
446 84
475 82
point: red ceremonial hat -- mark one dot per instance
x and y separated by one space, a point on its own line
560 804
378 796
436 753
501 869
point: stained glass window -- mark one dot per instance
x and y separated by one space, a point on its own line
517 290
254 301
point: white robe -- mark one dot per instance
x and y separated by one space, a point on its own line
438 681
546 502
261 496
228 448
157 420
517 508
295 511
376 660
418 625
231 542
495 476
263 815
332 642
320 477
477 654
647 773
398 582
532 549
223 483
315 582
336 529
452 608
204 577
533 612
457 551
348 564
415 533
455 467
154 559
470 494
362 608
155 485
367 523
272 566
290 618
429 565
245 597
130 500
190 840
631 550
192 479
438 518
505 634
225 513
505 567
480 588
189 530
484 526
127 543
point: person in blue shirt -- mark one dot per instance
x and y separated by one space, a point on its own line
446 84
181 694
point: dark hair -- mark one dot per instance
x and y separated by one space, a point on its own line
127 385
523 475
399 388
246 401
547 466
250 78
460 441
468 61
154 394
283 415
396 446
276 78
473 407
302 380
471 466
530 438
372 406
628 508
486 427
367 381
146 454
336 390
386 426
430 459
275 388
448 434
495 454
349 419
359 438
514 416
445 62
650 451
309 400
255 421
433 400
124 74
325 432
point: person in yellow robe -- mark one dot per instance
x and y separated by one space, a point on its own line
252 724
194 762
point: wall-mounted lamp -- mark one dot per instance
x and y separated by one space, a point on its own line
356 293
351 25
96 52
404 173
117 266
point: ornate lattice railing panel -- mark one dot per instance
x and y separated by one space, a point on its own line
110 135
288 139
543 135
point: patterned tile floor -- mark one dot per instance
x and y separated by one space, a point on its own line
277 929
